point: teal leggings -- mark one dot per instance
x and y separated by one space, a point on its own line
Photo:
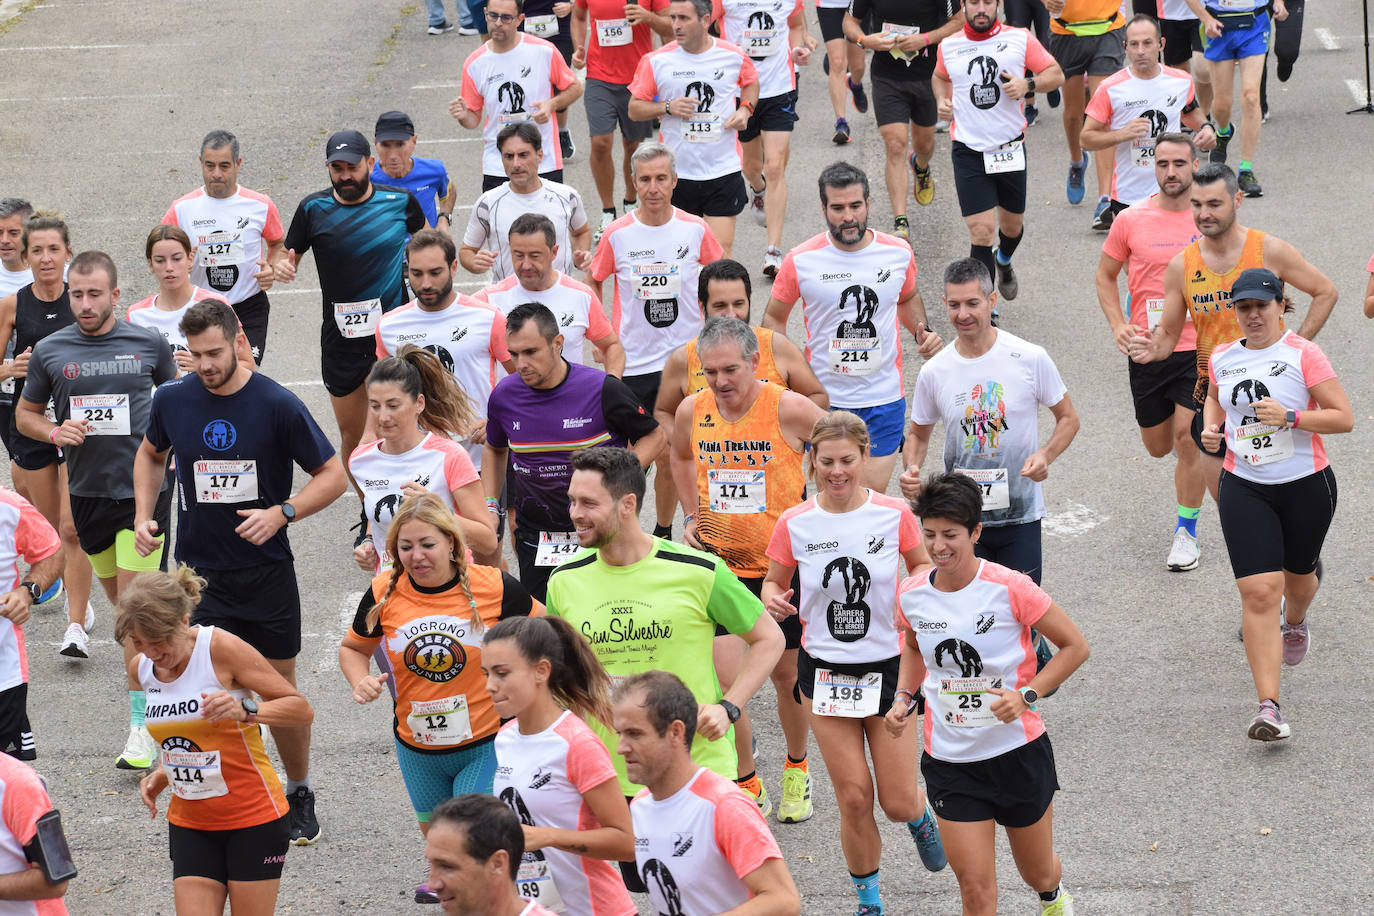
431 778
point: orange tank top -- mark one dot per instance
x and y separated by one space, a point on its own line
768 370
219 773
1208 295
748 475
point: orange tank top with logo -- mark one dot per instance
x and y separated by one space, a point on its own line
1208 296
748 475
768 370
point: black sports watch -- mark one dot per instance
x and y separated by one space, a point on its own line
1030 84
250 706
289 511
731 710
34 590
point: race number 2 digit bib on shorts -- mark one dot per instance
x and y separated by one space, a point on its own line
965 701
534 881
226 481
543 26
612 33
1259 444
357 319
702 127
194 775
1009 157
555 547
993 483
855 355
835 694
440 722
103 414
737 492
657 281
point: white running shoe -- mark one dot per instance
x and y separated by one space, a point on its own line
75 644
772 262
607 217
756 205
1184 553
140 751
90 618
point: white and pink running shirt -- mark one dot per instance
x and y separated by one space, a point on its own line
760 29
973 639
654 308
714 78
505 87
1286 371
438 464
542 778
694 847
228 234
1119 100
573 303
492 215
849 306
146 313
24 532
1145 237
984 116
850 564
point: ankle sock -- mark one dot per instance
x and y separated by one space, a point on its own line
866 886
663 531
796 764
751 784
138 704
1187 519
1050 896
1246 166
292 785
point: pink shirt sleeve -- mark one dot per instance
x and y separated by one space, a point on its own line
561 75
458 469
742 836
170 217
498 337
472 98
644 86
710 246
748 73
588 762
717 10
1370 268
603 259
1316 368
1037 58
381 348
910 283
1116 245
36 539
25 802
785 283
271 230
940 62
1029 602
597 325
780 544
908 531
1099 106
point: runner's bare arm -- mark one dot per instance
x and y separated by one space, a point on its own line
771 892
672 389
797 374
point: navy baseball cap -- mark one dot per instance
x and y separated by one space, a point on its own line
394 125
347 146
1257 283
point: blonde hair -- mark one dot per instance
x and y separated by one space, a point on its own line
429 509
834 426
155 605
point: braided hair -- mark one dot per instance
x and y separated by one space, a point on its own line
431 510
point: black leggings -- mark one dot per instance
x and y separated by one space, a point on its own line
1030 14
1275 526
1013 546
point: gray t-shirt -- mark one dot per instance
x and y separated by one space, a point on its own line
108 381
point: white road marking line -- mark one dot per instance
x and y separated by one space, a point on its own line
1356 91
1329 41
452 140
90 47
1072 520
438 86
304 383
84 98
348 608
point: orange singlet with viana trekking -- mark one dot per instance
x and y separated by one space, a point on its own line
1208 295
219 773
767 371
748 475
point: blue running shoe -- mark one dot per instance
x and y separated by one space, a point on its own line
52 594
1074 187
926 833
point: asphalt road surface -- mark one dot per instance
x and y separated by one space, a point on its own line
1166 806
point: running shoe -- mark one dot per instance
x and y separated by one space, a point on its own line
1102 216
1295 642
441 28
796 796
565 140
869 909
1053 98
607 217
926 833
860 97
305 828
422 892
1184 553
467 30
1249 184
772 262
942 126
1285 69
902 229
52 594
756 205
1031 113
1043 653
762 800
1059 906
76 644
1268 725
1007 284
1223 140
1074 186
925 182
140 751
841 132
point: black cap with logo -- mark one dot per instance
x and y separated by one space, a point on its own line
347 146
1257 283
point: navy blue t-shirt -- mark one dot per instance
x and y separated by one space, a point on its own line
233 452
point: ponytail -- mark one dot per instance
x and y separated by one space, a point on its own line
448 410
577 680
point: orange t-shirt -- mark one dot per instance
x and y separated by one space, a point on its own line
767 371
1085 12
1208 295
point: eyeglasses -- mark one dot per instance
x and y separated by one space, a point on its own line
503 18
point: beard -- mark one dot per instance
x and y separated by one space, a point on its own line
349 190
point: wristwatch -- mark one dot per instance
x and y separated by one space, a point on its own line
35 592
1290 417
731 710
1029 695
289 511
250 707
1030 84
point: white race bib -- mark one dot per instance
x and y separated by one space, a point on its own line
440 722
1259 444
194 775
761 43
1143 152
555 547
836 694
357 319
702 127
898 32
225 482
737 492
103 414
543 26
534 882
855 355
965 701
1154 312
514 117
1009 157
612 33
7 386
657 281
993 483
219 249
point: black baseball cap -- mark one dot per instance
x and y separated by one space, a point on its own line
1257 283
394 125
347 146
